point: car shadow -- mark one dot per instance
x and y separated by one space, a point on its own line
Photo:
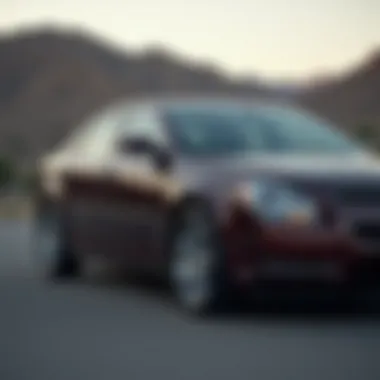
302 309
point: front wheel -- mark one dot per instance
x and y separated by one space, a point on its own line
197 271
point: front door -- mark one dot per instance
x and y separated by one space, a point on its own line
138 201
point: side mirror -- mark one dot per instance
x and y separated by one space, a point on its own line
163 159
145 147
136 146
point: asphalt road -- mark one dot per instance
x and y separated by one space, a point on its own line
104 330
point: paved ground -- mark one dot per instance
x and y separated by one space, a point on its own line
107 331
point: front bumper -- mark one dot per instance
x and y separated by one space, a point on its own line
296 255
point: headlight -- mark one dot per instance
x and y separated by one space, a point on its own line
277 203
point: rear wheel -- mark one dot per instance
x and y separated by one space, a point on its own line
197 271
52 254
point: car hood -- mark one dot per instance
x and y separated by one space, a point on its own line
328 174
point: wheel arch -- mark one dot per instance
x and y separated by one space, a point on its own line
187 200
177 209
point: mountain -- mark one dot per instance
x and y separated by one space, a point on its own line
352 99
50 80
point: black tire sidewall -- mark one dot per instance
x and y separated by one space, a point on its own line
220 284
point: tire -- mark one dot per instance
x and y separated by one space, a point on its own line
52 254
197 271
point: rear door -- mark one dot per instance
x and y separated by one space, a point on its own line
88 183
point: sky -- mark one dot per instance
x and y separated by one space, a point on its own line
287 39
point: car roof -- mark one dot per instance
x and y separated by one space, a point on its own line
162 102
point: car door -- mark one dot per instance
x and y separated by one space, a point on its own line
139 197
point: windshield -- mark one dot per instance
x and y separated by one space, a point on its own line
214 131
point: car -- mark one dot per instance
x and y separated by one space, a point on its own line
217 196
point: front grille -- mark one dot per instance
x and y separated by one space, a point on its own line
354 192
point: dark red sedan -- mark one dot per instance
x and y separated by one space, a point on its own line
217 196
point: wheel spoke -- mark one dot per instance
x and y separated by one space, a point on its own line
191 269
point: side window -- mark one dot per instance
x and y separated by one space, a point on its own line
141 122
136 122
